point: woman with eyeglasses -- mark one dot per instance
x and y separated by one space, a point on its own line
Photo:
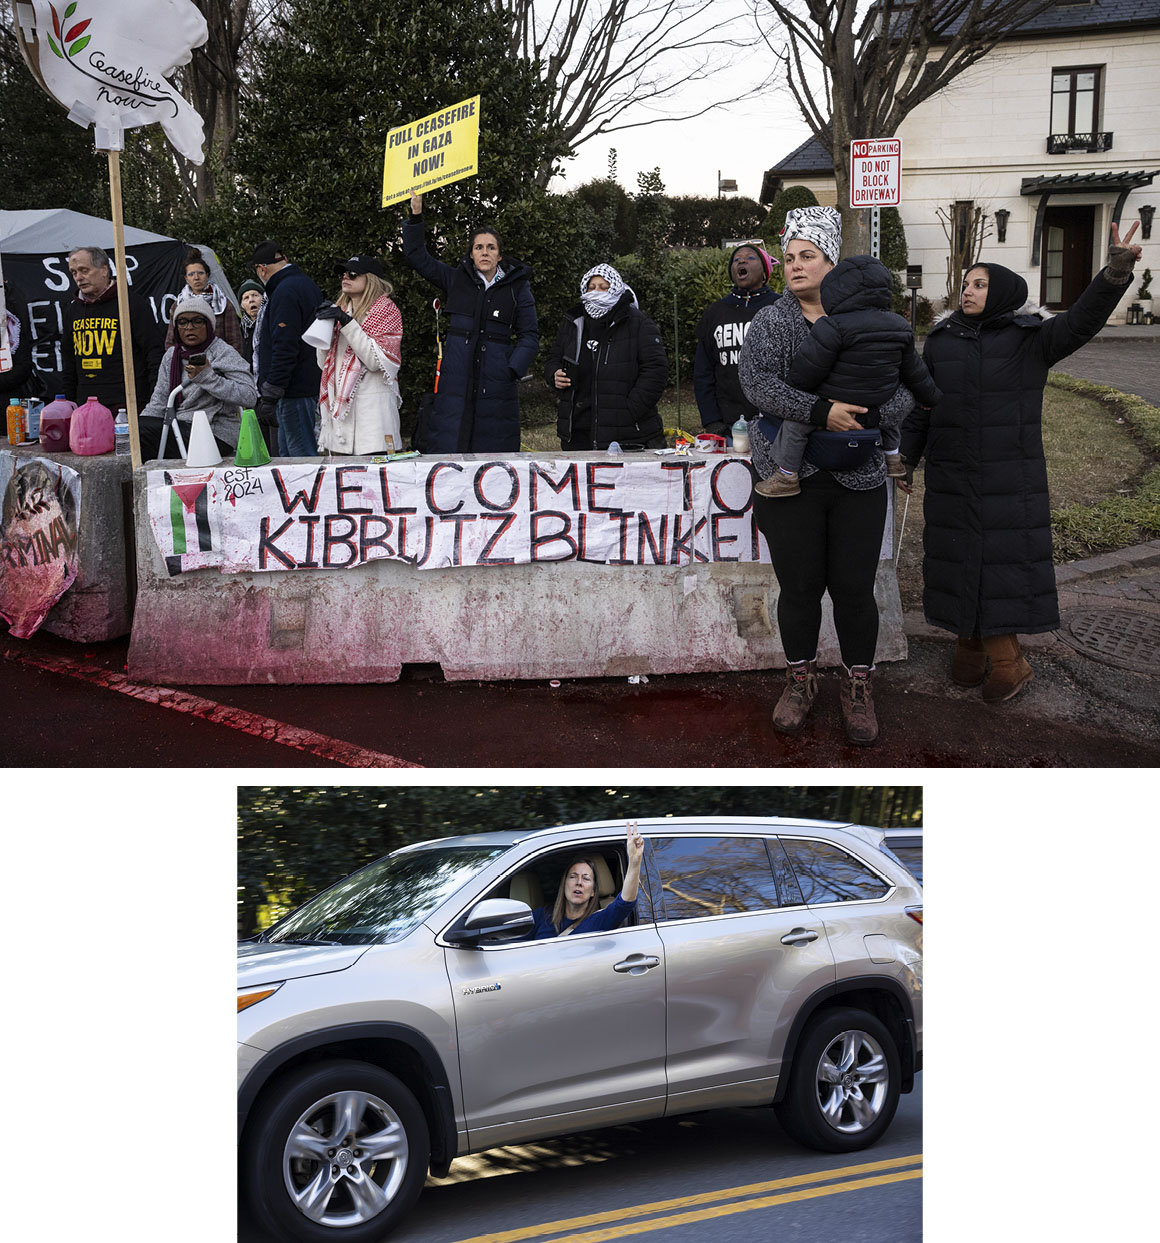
359 396
197 285
212 375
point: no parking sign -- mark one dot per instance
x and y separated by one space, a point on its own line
875 172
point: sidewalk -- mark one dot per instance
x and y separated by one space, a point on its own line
1100 670
1127 358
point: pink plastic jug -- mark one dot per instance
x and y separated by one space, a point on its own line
55 419
92 431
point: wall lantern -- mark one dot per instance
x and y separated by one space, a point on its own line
1146 214
1002 215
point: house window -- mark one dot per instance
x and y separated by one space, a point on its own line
1075 100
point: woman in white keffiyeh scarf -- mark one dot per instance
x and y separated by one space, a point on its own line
359 396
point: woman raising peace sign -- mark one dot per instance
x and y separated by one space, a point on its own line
987 566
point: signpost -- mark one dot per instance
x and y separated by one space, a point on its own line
876 181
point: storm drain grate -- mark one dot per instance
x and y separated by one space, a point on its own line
1117 637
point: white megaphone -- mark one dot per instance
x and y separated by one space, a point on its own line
203 450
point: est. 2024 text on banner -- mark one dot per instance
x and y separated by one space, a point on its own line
433 151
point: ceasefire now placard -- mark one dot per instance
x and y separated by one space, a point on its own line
433 151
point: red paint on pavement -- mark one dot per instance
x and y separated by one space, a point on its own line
333 749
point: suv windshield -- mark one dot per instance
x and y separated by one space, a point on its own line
385 900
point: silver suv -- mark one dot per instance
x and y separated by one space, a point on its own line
404 1016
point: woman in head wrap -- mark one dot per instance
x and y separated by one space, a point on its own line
359 400
608 368
987 571
828 537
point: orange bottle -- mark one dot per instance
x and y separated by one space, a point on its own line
16 424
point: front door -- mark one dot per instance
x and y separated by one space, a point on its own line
1068 233
562 1034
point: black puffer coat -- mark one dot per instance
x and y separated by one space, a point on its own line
860 351
619 371
987 568
477 408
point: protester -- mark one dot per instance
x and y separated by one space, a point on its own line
608 367
860 352
577 907
90 341
491 342
719 337
359 396
988 574
197 285
828 537
287 370
250 298
20 380
212 375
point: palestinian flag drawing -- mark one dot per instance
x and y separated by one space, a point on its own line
189 496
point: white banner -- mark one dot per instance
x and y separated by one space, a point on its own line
674 511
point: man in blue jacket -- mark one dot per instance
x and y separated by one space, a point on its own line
287 368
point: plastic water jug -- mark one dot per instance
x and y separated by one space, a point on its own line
55 421
91 431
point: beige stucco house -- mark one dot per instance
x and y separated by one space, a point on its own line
1053 135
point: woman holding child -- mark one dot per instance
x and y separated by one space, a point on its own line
827 536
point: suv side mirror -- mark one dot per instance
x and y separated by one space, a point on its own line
499 918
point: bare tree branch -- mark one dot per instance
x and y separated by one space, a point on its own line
861 81
612 62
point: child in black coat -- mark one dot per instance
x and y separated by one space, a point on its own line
858 352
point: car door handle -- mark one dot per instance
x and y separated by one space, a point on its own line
637 964
799 936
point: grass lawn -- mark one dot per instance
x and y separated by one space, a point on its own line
1102 451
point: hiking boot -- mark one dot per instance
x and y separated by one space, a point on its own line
801 689
895 467
969 666
779 484
1010 673
858 706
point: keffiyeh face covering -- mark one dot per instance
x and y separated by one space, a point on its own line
598 302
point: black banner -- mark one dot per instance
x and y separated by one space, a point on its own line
156 273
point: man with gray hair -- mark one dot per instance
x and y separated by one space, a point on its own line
91 336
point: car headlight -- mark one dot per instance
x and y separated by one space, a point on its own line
253 996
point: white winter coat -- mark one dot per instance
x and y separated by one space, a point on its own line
373 413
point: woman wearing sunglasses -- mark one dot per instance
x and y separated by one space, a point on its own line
359 397
213 377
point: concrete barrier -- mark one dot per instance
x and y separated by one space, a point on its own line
560 619
99 604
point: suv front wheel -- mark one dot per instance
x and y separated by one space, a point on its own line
336 1151
844 1082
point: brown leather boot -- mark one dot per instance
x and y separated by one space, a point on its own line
969 667
1010 673
858 706
801 689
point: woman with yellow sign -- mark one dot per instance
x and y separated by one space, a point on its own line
491 342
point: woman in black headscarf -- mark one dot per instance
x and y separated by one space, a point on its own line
987 567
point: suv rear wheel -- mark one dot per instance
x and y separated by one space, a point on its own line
336 1151
844 1082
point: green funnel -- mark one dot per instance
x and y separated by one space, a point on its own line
252 449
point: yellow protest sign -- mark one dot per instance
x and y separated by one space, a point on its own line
433 151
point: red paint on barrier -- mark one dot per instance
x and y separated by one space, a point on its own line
285 735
